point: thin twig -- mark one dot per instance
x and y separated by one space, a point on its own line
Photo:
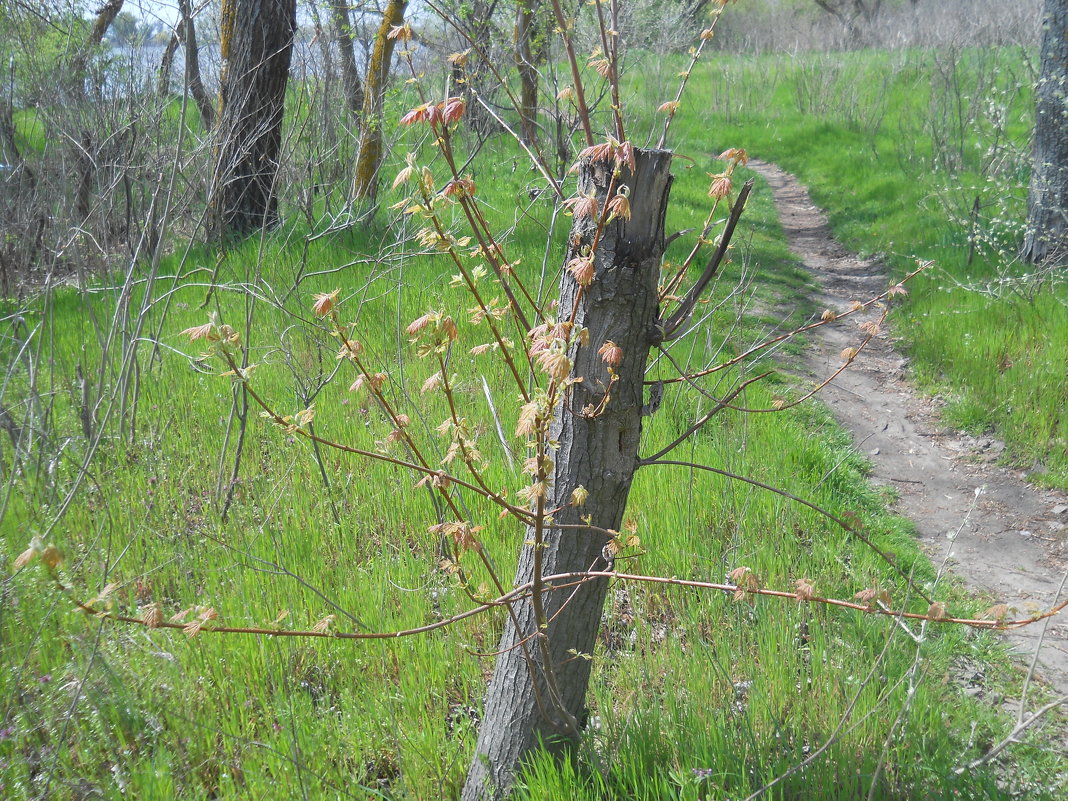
790 334
1017 730
689 301
797 499
1034 658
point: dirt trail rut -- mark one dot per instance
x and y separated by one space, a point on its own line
1009 541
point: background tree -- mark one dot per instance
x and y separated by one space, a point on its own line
193 80
851 13
855 16
256 40
1046 238
487 24
531 49
341 24
104 18
365 182
126 31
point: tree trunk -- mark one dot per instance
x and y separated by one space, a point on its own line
477 20
166 66
365 183
104 17
1046 238
257 43
526 46
326 48
350 76
192 66
850 22
86 165
101 22
598 453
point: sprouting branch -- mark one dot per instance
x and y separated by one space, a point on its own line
826 320
418 468
673 106
503 600
849 355
486 311
720 405
977 623
560 581
790 496
576 76
464 189
611 54
689 301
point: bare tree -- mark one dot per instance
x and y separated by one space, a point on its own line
257 44
852 14
1046 238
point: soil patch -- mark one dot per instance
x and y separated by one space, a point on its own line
1007 539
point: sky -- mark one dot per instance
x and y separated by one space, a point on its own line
165 11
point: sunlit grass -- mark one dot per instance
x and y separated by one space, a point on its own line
694 696
898 170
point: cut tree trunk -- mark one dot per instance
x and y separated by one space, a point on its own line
598 453
1046 237
257 43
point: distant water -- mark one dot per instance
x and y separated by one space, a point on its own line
140 65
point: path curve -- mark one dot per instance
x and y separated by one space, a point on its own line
1012 543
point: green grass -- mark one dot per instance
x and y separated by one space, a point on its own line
882 144
693 696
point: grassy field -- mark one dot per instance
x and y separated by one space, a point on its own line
920 155
694 696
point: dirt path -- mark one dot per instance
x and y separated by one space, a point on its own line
1008 540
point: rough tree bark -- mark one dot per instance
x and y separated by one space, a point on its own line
1046 237
193 79
104 17
342 25
529 51
257 43
365 182
598 453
